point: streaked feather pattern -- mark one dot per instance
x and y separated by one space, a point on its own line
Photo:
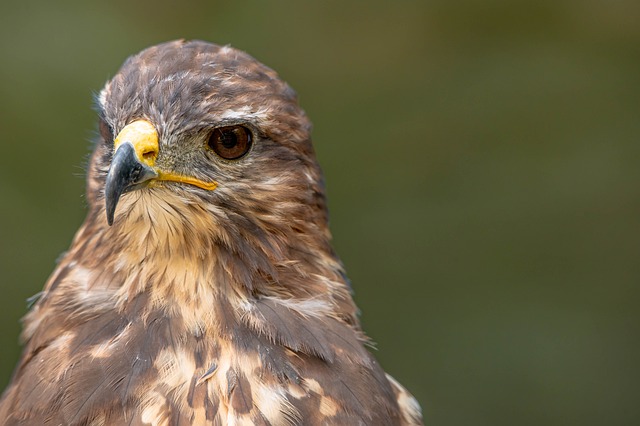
203 308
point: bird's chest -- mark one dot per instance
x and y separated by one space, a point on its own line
180 377
178 347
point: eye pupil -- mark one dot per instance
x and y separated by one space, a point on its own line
231 142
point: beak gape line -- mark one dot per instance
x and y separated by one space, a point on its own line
125 174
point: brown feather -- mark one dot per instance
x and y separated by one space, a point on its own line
203 307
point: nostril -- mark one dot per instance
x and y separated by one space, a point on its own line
149 155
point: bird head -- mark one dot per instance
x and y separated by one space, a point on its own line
205 142
202 286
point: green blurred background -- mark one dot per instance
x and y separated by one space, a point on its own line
483 169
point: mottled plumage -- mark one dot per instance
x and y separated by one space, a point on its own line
201 306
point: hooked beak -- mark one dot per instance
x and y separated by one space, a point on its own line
126 174
133 165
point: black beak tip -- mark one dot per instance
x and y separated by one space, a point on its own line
126 172
112 193
110 213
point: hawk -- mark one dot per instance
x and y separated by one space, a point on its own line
202 287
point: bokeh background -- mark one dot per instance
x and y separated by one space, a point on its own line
483 169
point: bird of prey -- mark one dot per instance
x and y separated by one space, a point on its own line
202 288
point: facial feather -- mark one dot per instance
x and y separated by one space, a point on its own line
198 306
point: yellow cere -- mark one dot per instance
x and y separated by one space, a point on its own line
144 138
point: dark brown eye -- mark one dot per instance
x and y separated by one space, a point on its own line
230 142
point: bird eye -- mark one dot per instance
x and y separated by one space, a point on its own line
231 142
